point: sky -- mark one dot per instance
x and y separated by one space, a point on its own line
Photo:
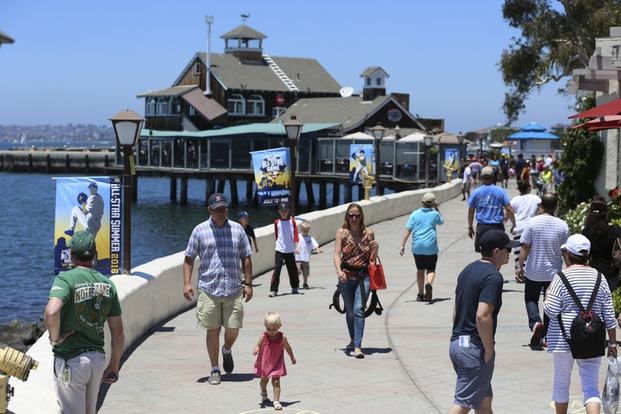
76 61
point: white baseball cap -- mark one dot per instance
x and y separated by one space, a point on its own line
577 245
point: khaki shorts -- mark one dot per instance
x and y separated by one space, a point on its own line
303 268
213 312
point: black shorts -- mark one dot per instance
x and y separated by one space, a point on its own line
426 261
482 228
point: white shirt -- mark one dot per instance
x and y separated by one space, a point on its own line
306 246
524 206
545 234
467 175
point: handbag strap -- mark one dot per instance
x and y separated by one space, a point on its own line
615 246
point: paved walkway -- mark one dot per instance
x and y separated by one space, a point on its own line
407 369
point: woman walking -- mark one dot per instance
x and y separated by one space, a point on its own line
355 247
602 236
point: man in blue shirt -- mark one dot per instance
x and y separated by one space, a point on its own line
488 202
223 248
424 243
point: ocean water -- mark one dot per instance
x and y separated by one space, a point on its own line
159 228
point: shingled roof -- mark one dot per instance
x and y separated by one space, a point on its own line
307 74
350 112
243 32
172 92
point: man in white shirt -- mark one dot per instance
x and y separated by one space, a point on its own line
525 206
541 243
466 182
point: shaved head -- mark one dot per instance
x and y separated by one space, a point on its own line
549 201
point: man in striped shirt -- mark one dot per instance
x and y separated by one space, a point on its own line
223 248
541 243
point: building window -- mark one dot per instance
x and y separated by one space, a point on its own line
162 106
278 111
378 81
197 68
368 81
192 111
256 105
236 105
151 106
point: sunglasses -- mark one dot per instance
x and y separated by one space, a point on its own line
354 215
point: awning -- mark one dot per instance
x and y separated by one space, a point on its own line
532 131
601 123
610 108
357 135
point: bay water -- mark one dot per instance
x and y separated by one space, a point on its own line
27 201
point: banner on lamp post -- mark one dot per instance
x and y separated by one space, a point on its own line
272 174
92 204
361 162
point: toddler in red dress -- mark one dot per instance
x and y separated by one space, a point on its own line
271 357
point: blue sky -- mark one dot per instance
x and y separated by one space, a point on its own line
82 61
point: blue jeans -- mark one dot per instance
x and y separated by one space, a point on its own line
354 312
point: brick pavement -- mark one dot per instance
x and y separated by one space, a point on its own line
407 369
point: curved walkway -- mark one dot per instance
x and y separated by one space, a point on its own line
407 369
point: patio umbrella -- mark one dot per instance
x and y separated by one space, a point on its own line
601 123
610 108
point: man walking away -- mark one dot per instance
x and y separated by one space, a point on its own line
223 248
525 206
80 302
488 202
541 244
478 298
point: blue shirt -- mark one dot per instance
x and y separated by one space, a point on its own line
422 223
488 201
221 250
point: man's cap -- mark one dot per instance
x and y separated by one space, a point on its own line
496 239
577 245
487 172
83 245
243 214
429 199
284 206
92 185
217 200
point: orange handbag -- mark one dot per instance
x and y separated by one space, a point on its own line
376 275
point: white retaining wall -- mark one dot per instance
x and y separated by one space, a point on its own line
154 290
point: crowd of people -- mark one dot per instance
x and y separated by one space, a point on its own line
540 241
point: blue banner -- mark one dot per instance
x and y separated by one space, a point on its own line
272 173
361 162
90 204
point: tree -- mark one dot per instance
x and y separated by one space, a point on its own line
556 38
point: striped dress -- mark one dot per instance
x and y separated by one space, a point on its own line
558 300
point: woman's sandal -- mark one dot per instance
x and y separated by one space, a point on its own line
420 298
277 406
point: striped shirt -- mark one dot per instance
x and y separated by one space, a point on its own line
545 234
221 250
558 300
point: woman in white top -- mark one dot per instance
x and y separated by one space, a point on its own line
525 206
583 280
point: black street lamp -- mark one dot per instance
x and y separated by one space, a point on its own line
378 134
428 142
294 129
460 140
127 126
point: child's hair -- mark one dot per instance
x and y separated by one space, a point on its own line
272 318
305 226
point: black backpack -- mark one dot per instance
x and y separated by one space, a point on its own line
588 334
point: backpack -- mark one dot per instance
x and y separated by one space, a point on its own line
588 334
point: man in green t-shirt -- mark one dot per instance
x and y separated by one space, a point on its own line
80 302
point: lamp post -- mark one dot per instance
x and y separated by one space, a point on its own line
480 146
127 126
294 129
378 134
428 142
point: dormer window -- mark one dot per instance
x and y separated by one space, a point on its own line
256 105
151 106
236 105
368 81
378 81
162 106
197 68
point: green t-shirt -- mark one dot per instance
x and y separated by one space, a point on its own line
89 298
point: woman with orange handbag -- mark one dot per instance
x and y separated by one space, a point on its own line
355 247
423 223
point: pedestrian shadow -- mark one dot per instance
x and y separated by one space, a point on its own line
285 404
431 302
512 291
371 351
290 294
242 377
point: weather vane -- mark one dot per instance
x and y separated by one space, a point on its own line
244 17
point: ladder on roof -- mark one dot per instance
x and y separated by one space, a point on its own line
281 75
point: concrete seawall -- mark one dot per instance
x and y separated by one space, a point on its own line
154 290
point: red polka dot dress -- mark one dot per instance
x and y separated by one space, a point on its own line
271 357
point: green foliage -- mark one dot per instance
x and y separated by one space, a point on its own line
556 38
616 300
575 217
582 156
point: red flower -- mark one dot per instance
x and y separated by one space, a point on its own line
614 193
